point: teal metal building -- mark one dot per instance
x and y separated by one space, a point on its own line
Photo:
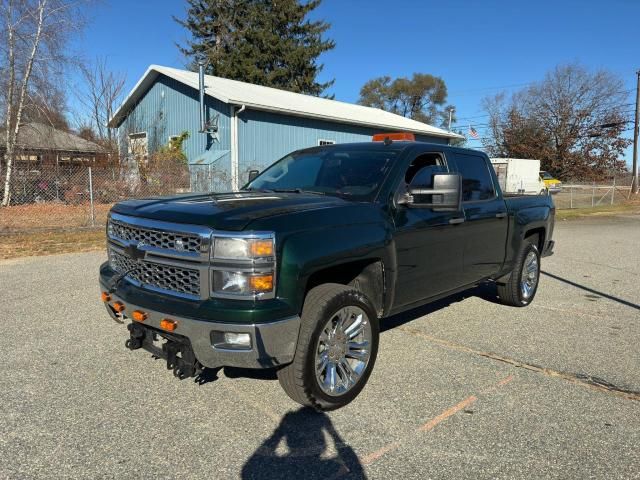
246 127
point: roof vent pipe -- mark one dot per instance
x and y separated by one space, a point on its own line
203 120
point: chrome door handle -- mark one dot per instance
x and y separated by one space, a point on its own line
501 215
455 221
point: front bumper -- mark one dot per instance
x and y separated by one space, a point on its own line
272 344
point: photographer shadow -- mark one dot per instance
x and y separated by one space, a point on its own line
304 445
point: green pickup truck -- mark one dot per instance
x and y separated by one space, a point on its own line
296 271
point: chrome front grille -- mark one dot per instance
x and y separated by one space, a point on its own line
169 278
179 242
168 257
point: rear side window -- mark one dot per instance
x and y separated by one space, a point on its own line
476 179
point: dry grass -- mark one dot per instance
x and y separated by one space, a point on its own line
632 207
48 243
50 216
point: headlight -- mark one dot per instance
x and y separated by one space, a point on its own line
243 267
242 283
242 248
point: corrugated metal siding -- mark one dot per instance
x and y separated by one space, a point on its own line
169 108
266 137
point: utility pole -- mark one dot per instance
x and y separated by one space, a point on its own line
634 183
451 114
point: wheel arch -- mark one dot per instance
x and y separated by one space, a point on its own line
540 233
365 275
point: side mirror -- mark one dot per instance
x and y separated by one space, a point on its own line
445 196
253 174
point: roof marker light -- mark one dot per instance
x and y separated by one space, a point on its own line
396 136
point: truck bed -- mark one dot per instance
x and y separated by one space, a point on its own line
516 203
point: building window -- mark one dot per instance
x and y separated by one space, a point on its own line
322 142
138 146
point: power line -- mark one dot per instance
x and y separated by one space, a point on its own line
533 83
611 107
480 139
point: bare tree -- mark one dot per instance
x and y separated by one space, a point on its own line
573 121
102 94
34 36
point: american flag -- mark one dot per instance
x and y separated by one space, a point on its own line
473 132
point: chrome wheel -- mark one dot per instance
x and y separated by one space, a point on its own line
529 275
343 350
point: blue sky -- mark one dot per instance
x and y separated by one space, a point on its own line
478 47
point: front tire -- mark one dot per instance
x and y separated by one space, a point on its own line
337 348
522 284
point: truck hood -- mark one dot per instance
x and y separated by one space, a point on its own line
226 211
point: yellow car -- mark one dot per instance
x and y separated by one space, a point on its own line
553 184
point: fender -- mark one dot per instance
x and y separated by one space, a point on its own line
307 252
523 221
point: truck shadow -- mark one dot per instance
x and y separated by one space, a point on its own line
598 293
484 291
304 445
209 375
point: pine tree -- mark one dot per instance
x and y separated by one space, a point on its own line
264 42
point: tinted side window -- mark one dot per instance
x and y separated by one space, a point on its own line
424 177
476 179
422 168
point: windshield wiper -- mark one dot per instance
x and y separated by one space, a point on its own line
296 190
261 190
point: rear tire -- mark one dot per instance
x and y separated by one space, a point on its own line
340 332
520 288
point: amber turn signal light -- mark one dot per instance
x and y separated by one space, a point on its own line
119 307
168 324
139 316
105 297
261 248
261 283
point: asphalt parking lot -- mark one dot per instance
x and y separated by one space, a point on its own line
465 388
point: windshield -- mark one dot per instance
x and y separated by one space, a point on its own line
349 172
547 176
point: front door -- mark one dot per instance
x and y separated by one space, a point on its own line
429 245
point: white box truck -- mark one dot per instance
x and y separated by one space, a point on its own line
519 175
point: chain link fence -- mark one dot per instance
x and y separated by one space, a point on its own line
80 196
576 194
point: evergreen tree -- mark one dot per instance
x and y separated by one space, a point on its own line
264 42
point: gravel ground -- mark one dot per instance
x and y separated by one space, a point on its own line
465 388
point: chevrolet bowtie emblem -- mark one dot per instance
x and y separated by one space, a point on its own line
135 251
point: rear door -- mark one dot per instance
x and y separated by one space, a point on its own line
485 213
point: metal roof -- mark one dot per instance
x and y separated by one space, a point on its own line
258 97
41 137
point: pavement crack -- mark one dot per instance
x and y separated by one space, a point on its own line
589 381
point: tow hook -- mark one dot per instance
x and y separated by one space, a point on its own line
136 337
176 350
181 359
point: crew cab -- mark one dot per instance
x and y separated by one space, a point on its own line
297 270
